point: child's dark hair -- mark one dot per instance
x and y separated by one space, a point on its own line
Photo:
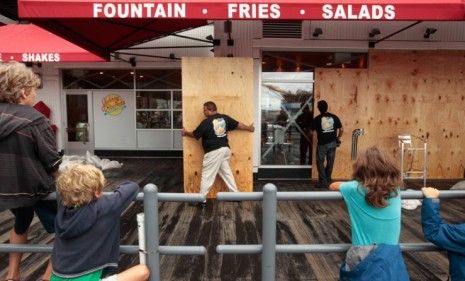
379 174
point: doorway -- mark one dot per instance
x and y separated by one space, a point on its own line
79 136
286 114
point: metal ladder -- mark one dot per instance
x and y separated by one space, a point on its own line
406 146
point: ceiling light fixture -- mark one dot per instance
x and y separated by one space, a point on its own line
374 32
317 32
216 42
428 32
132 61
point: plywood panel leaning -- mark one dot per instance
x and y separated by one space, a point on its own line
421 93
229 83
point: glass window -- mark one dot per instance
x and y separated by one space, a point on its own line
158 79
177 100
286 110
294 62
153 120
177 120
77 118
153 100
98 79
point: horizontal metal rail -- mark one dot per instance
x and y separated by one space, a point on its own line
268 249
124 249
314 248
162 197
324 195
153 250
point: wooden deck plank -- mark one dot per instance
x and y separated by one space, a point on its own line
303 222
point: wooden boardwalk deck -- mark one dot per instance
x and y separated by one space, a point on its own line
240 223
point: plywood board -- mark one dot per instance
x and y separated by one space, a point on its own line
229 83
420 93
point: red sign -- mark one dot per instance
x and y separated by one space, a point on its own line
223 9
30 43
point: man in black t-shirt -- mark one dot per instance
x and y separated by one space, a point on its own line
329 129
214 133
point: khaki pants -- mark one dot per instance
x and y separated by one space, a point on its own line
217 162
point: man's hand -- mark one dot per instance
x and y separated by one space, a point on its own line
251 128
243 127
430 192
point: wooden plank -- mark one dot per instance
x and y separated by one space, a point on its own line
229 83
414 92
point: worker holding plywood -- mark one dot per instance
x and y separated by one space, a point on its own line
229 83
214 133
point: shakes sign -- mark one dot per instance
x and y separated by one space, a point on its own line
385 10
30 57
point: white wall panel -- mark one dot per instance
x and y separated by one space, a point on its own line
50 95
177 140
118 131
154 139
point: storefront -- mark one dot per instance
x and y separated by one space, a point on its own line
101 102
287 41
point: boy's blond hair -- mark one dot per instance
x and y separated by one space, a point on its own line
15 78
78 185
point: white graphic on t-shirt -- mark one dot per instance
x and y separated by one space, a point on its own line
327 124
219 126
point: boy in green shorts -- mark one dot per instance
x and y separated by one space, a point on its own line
87 228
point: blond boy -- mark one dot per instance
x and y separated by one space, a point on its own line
88 227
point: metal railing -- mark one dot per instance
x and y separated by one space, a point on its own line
153 250
269 248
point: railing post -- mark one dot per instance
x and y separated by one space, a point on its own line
151 231
269 233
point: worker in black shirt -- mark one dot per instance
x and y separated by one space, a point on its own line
214 133
329 129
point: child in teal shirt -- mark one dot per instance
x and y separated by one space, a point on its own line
373 203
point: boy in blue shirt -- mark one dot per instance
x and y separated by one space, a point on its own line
87 228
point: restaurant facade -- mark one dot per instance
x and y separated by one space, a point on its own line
347 54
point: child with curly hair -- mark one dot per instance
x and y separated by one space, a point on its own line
87 228
374 205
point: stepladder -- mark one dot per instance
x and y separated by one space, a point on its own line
413 157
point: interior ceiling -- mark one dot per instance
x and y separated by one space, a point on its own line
9 8
307 61
104 36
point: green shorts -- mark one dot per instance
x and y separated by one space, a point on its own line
93 276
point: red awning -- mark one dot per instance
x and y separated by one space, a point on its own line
104 36
30 43
242 9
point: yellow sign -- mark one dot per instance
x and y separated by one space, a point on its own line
113 104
